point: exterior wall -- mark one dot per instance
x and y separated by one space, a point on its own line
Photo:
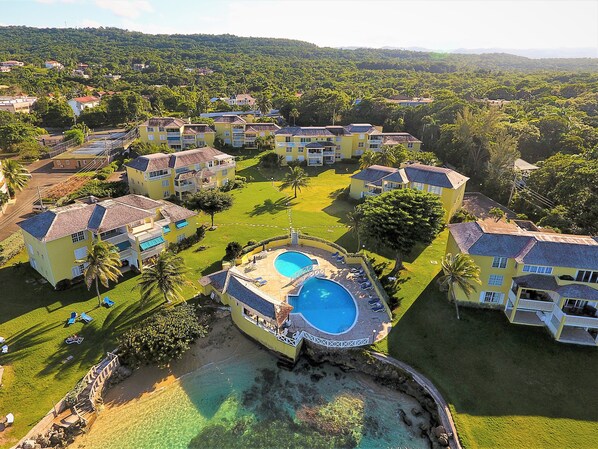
186 232
75 164
357 188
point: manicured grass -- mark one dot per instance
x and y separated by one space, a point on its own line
508 386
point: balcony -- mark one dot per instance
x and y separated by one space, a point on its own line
537 306
219 167
115 239
185 187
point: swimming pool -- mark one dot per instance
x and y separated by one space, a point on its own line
289 262
326 305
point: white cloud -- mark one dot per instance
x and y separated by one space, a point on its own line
126 8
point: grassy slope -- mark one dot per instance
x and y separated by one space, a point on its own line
505 390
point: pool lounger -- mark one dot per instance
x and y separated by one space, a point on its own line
365 285
72 319
86 318
374 301
108 302
260 281
335 255
378 309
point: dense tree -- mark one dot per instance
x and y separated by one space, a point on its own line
399 219
102 265
295 179
233 251
211 202
459 271
54 113
75 135
163 278
162 337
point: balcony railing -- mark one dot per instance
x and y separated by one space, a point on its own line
117 238
540 306
581 321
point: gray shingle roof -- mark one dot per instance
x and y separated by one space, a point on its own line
528 247
103 216
247 296
259 127
323 144
374 173
398 138
307 131
578 291
218 279
164 122
198 128
150 162
360 128
436 176
234 119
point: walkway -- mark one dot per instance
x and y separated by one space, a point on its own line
443 409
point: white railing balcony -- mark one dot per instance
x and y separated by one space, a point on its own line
148 234
116 239
538 306
223 166
154 251
581 321
370 193
155 178
185 187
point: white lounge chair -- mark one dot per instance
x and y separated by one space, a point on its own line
10 419
4 349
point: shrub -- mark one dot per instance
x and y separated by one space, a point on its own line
271 160
189 241
162 337
63 284
462 216
251 243
76 135
233 250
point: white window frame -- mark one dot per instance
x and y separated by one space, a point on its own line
150 137
588 276
496 280
499 262
489 297
166 183
78 236
538 269
435 189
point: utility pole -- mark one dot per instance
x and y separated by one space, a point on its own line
41 202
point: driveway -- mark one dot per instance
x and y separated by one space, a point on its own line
43 177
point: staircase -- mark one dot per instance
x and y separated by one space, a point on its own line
294 237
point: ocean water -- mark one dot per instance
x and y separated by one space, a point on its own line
246 401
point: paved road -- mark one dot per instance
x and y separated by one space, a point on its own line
43 177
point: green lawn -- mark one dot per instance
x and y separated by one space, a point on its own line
509 386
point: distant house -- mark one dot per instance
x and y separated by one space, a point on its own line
139 67
4 69
444 182
17 104
80 74
79 104
241 100
11 64
53 65
82 66
409 102
112 77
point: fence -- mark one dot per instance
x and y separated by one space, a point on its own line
97 385
296 339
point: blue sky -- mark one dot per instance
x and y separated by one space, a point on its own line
434 24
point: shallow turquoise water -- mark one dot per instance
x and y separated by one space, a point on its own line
327 305
246 401
289 262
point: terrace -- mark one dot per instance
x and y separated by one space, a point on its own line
369 324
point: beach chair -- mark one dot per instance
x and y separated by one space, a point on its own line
9 420
335 255
379 308
373 301
108 302
5 349
341 259
260 281
72 319
86 318
365 285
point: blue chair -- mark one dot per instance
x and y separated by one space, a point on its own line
86 318
366 284
374 301
72 319
379 308
108 302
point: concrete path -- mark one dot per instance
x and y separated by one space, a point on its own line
443 408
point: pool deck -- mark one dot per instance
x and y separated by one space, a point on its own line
369 323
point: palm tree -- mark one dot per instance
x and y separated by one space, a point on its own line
102 265
264 103
15 174
368 159
459 271
295 179
294 114
164 278
354 218
392 156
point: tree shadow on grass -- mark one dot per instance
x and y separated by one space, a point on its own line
486 366
271 207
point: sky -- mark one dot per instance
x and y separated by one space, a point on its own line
434 24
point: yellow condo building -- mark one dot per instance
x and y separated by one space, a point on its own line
162 175
176 133
237 132
444 182
324 145
138 226
537 278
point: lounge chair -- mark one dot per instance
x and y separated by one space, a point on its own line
260 281
341 259
357 270
365 284
335 255
5 349
9 420
86 318
74 339
379 308
373 301
108 302
72 319
2 339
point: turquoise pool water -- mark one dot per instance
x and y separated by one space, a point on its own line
245 401
326 304
289 262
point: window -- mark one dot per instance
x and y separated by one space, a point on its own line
166 193
305 139
165 183
224 172
409 145
360 144
162 137
496 279
226 133
81 253
300 150
417 185
301 158
78 270
537 269
287 139
150 137
157 173
362 136
492 297
587 276
499 262
289 149
150 129
78 236
289 158
435 189
160 129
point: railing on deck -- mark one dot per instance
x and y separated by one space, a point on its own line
100 379
297 338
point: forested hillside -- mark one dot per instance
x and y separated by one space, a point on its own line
549 112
